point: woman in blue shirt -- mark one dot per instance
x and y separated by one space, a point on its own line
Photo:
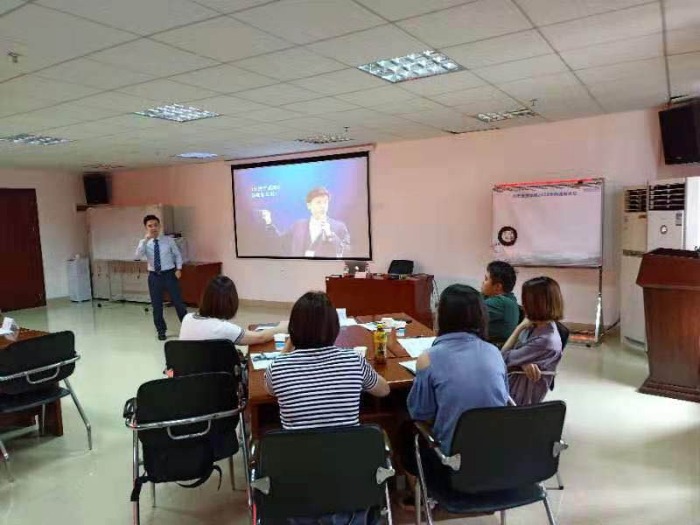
460 372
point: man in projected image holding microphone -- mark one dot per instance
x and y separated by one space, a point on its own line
319 235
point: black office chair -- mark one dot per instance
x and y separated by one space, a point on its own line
498 460
30 371
220 355
183 424
400 267
308 473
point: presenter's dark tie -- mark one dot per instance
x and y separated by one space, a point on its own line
156 255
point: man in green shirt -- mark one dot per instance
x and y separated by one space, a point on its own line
503 308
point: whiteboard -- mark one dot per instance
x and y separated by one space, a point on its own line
115 231
553 223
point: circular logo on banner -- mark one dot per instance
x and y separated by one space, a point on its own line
507 236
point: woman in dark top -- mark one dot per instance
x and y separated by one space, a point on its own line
535 345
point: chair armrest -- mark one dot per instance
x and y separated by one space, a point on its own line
427 434
521 373
129 408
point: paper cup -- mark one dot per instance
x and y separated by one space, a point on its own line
388 322
280 339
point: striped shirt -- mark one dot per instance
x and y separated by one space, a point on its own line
319 387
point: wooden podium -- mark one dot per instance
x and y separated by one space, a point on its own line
671 282
379 295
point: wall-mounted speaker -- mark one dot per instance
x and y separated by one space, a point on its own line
97 188
680 133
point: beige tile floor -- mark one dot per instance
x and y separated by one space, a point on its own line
634 459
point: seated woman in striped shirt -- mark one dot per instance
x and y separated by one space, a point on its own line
319 385
316 383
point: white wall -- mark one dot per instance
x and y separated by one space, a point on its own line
430 201
62 229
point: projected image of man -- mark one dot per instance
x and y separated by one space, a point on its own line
319 235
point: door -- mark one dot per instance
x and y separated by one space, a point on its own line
21 265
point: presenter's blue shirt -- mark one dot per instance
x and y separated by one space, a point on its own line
465 372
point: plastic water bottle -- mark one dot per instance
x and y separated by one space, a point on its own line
380 339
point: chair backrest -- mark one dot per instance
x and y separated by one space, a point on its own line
198 357
320 471
37 352
401 267
168 455
507 447
563 333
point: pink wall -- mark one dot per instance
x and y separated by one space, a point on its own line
431 202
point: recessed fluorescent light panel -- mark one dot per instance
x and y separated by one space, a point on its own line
196 155
325 139
416 65
177 113
506 115
34 140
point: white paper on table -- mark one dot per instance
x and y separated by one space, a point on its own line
8 326
372 327
262 360
415 346
262 327
348 322
409 365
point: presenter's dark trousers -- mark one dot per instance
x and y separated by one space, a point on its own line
158 283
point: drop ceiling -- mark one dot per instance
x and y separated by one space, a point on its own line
283 70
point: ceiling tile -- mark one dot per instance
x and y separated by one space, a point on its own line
338 82
271 115
381 42
230 6
167 91
311 125
319 106
135 15
278 94
409 106
528 68
355 117
85 130
93 74
556 86
544 12
478 100
45 37
227 105
151 57
55 116
376 97
35 87
11 106
131 121
467 23
652 67
398 9
638 48
224 79
626 100
444 119
223 39
685 74
8 5
492 51
290 64
118 101
442 83
683 26
305 21
617 25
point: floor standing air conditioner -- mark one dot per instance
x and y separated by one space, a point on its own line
674 214
634 245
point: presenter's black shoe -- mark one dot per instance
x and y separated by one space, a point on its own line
162 337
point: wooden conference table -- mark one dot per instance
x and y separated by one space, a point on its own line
54 417
389 412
